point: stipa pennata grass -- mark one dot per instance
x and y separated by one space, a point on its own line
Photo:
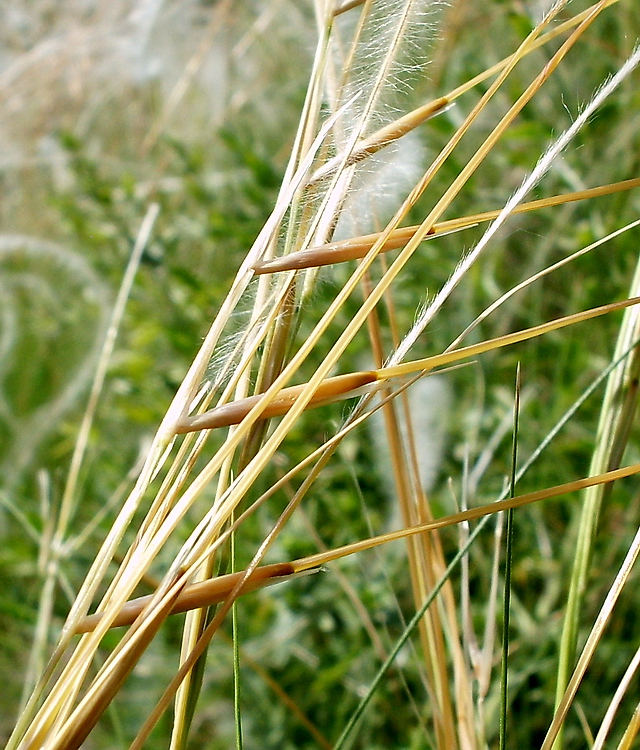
368 60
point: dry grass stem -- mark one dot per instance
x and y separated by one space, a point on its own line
237 447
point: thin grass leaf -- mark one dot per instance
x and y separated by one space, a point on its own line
631 731
613 706
616 416
507 570
592 641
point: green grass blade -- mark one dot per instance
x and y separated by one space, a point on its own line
616 416
508 568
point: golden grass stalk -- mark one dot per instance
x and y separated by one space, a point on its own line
616 417
252 384
592 641
218 589
621 690
358 247
344 386
631 732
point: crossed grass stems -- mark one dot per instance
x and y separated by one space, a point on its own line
251 385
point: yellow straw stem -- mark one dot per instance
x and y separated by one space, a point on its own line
323 558
438 360
216 590
342 385
358 247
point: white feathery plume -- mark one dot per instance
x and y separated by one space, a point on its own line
541 168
